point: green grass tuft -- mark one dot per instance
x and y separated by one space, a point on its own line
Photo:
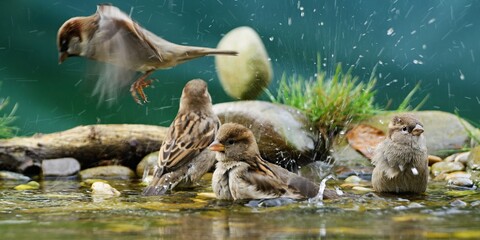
6 130
330 103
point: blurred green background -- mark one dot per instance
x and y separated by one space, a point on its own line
435 42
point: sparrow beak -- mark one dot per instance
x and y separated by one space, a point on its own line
62 56
417 130
216 147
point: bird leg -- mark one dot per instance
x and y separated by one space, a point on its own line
137 88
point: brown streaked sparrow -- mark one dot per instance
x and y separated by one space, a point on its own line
401 160
184 157
111 36
241 173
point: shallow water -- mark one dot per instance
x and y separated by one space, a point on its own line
65 209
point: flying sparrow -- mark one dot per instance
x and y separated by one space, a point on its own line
401 163
241 173
111 36
184 157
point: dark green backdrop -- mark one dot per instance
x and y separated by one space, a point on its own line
435 42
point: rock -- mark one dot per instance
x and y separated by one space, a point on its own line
60 167
462 157
6 175
460 182
353 179
284 135
474 158
149 162
444 131
101 188
109 172
433 159
446 167
458 174
458 203
358 189
246 75
32 185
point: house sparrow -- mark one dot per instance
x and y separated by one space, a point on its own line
111 36
401 163
241 173
183 156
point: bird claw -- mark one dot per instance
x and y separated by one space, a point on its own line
136 89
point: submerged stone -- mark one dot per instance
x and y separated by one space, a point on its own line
284 135
246 75
32 185
110 172
102 188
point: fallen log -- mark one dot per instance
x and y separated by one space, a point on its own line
126 143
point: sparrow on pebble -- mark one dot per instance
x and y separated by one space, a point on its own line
241 173
401 160
111 36
184 156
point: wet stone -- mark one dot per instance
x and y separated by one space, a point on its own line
433 159
446 167
60 167
460 182
458 203
108 172
462 157
284 135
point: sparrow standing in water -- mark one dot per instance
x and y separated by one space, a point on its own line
401 160
111 36
184 157
241 173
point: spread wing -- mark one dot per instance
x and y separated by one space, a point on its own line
122 48
188 135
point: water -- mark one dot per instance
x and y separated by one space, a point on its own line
66 210
395 35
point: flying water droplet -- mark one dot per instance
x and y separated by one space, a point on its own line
390 32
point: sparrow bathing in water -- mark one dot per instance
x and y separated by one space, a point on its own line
241 173
401 160
184 157
111 36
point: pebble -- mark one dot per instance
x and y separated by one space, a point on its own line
147 163
461 182
462 157
458 203
353 179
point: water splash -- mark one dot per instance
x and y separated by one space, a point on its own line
319 198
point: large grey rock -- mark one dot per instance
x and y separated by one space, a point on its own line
246 75
444 133
60 167
284 135
148 163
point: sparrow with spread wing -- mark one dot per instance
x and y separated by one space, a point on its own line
111 36
184 156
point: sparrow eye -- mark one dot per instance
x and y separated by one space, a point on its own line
404 129
63 45
230 141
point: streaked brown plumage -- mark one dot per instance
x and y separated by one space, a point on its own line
184 157
241 173
111 36
401 160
